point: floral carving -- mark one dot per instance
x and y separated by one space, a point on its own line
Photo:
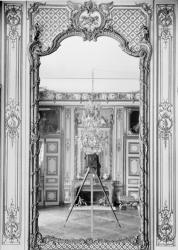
12 232
165 16
165 230
35 7
165 121
13 19
165 20
12 120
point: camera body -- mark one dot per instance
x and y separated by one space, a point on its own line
92 162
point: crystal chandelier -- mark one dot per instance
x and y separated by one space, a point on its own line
92 139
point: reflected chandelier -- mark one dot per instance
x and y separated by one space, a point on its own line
92 139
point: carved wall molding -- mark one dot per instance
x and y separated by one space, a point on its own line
13 119
120 114
13 19
144 52
53 96
165 121
166 189
165 231
12 226
165 20
91 19
13 122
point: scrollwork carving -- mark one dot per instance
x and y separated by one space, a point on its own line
166 234
165 21
12 119
90 18
12 230
35 7
147 8
165 121
13 19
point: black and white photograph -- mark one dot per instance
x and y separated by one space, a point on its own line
89 134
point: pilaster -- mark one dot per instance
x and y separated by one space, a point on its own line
166 140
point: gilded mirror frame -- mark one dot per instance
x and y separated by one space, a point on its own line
142 241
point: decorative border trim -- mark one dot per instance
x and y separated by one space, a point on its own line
50 95
104 29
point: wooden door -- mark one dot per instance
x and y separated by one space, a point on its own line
132 169
50 172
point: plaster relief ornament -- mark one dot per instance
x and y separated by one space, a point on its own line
165 20
165 121
166 234
13 19
12 120
12 233
90 17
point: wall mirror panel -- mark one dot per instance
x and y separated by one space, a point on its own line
69 72
89 141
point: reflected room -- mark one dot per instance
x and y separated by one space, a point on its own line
89 141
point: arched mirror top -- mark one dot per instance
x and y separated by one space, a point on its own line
91 21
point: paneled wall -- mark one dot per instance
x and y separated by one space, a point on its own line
62 160
15 120
166 129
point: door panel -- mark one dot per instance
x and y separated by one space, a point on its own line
132 168
50 174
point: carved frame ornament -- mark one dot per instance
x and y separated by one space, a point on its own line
90 21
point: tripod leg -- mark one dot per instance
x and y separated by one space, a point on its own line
77 196
108 200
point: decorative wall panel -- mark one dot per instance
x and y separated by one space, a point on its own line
52 20
128 23
68 163
126 20
52 165
132 166
12 145
51 195
52 147
50 170
166 190
118 131
11 157
133 148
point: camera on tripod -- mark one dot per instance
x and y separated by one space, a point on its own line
92 162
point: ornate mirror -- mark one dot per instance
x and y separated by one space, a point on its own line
54 183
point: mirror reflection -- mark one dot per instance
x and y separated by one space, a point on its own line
89 141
